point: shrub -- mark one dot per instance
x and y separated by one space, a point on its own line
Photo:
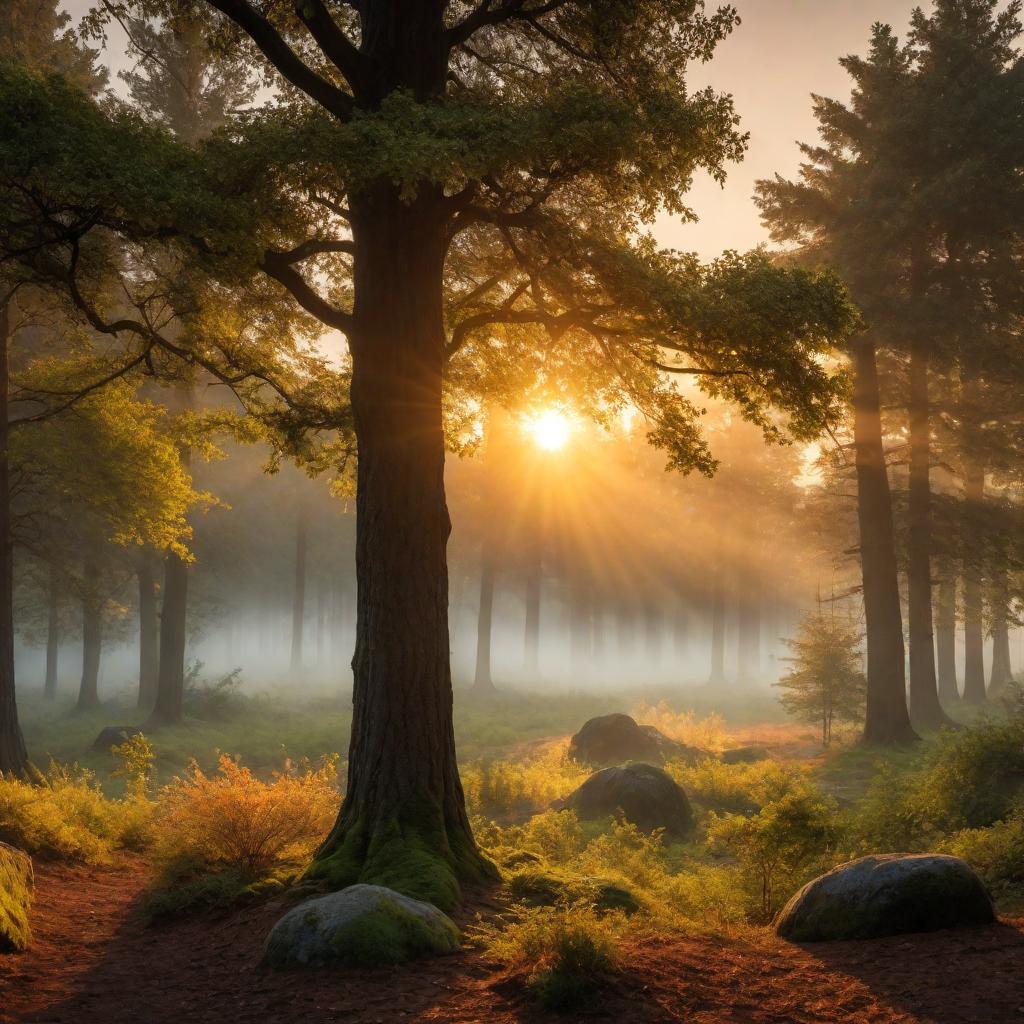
996 852
736 787
65 815
234 820
567 953
683 726
508 788
626 852
214 701
777 846
702 896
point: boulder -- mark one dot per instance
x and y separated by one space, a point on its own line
113 736
16 883
361 926
616 739
646 796
886 895
744 755
539 887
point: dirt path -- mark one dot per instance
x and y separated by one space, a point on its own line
93 961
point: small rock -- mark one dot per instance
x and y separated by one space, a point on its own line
744 755
361 926
647 796
113 736
893 894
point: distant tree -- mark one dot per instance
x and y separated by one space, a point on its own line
826 684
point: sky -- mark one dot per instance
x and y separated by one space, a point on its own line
782 52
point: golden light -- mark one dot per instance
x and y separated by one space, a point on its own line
549 429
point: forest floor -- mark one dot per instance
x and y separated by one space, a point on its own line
93 960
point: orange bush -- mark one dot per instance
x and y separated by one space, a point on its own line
234 820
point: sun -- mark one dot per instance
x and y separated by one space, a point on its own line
550 429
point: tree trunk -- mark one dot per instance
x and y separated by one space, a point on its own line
170 686
482 681
748 636
403 822
925 710
887 720
974 628
945 635
52 633
581 627
149 644
299 595
717 675
13 757
92 637
531 629
653 634
1002 669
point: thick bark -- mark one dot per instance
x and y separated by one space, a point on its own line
717 674
531 628
149 629
887 719
482 681
13 757
299 595
925 710
52 633
945 639
404 820
92 636
974 627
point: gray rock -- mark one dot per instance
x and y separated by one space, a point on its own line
616 739
113 736
361 926
744 755
886 895
16 887
646 796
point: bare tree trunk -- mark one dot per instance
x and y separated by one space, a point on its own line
168 707
321 623
748 634
945 635
403 820
13 756
92 636
531 629
149 630
482 681
925 710
717 675
299 594
52 632
581 626
887 720
974 627
1002 669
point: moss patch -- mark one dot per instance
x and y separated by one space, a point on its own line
15 899
414 855
391 934
548 888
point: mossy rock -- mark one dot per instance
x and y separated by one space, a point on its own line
547 888
894 894
16 885
745 755
617 739
361 926
113 736
644 794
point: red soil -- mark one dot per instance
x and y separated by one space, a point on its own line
93 961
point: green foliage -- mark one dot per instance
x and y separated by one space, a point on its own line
174 898
136 757
65 815
778 845
826 684
215 701
567 953
996 853
741 787
15 899
390 934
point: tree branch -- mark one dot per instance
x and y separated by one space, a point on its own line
279 267
333 41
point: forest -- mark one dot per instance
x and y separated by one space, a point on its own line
511 511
